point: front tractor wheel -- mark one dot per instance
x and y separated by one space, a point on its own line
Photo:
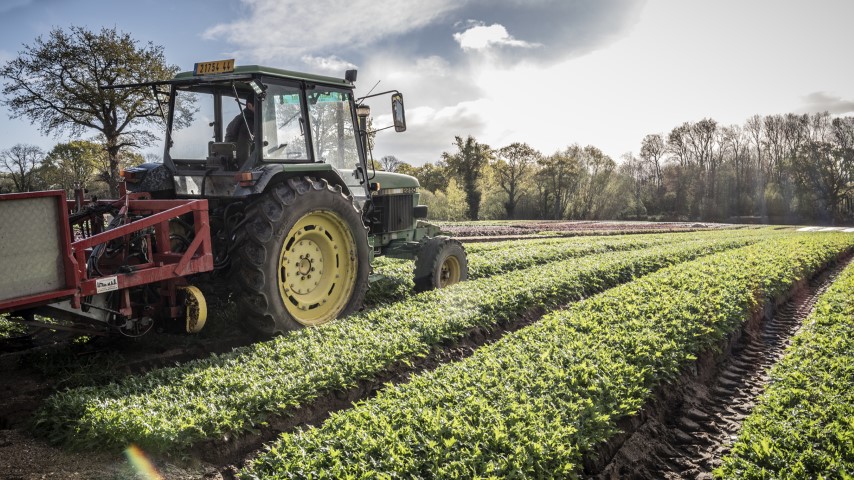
303 257
441 262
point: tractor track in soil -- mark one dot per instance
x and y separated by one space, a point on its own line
689 427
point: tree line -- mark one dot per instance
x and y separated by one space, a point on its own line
776 168
67 166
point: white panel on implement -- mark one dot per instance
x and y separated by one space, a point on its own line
30 255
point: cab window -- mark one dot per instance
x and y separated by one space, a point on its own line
284 125
332 127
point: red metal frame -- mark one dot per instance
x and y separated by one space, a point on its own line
164 265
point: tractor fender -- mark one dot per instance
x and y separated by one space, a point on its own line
274 174
154 178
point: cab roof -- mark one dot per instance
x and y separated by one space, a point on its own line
269 71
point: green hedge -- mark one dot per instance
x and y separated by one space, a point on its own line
803 426
532 404
170 409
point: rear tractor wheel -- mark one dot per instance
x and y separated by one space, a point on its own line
441 262
303 257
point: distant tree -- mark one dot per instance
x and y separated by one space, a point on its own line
652 152
448 204
74 164
633 170
390 163
823 167
756 136
467 164
735 142
406 169
431 177
512 165
21 163
596 169
557 181
54 83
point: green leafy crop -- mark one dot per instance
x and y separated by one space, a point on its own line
494 258
173 408
533 403
803 426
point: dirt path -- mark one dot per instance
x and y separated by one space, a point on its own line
689 431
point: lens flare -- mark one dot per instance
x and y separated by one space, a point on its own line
141 463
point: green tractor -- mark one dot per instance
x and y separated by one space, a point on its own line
297 210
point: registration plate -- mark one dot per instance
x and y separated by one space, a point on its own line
218 66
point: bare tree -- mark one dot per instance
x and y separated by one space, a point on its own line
735 142
652 152
390 163
512 165
756 134
21 162
557 181
678 146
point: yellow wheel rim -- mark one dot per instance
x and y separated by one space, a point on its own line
318 266
449 274
197 309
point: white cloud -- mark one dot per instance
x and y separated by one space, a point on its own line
823 101
480 37
430 131
292 28
331 64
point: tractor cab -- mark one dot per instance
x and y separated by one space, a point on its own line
251 122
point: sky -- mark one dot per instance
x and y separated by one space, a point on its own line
547 72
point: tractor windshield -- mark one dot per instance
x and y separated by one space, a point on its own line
329 117
189 140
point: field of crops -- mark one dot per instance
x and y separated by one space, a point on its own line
558 228
174 408
532 404
803 426
493 258
520 372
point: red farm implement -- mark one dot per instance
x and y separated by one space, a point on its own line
103 266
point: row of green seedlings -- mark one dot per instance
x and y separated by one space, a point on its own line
397 274
803 425
494 258
532 404
171 409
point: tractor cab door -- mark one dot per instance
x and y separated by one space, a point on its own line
334 134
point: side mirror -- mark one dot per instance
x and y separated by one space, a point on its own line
398 113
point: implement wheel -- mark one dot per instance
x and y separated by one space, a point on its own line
441 262
303 257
